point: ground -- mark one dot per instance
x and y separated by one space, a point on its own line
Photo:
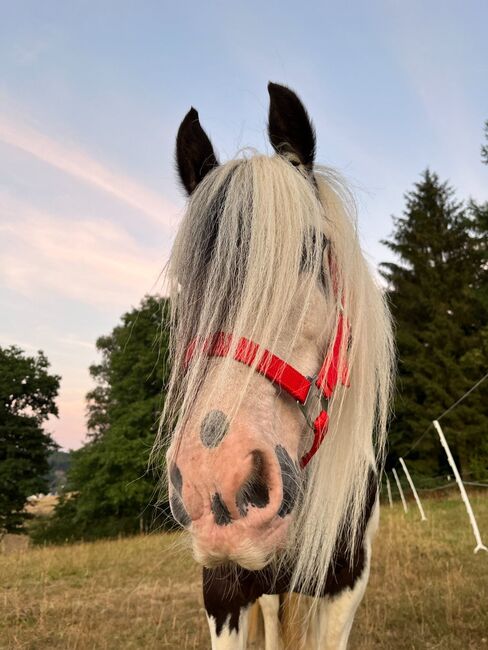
427 590
42 506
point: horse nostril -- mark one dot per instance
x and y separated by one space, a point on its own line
255 491
220 511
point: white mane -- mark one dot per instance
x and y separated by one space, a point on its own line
253 239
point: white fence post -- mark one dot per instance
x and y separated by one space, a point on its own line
409 479
388 489
405 507
479 544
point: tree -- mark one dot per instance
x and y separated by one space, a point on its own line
475 359
27 398
436 293
110 488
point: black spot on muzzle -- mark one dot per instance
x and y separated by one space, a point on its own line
214 428
178 510
176 478
180 515
289 479
220 511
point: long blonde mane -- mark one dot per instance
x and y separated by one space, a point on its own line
256 234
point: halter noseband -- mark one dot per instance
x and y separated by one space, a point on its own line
301 388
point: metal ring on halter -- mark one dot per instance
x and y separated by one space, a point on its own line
315 396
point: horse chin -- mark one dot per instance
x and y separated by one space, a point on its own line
254 561
251 560
249 554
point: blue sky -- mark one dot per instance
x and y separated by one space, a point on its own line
91 96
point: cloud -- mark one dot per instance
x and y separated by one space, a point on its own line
77 163
73 341
90 260
7 340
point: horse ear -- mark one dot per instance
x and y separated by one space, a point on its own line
195 156
289 127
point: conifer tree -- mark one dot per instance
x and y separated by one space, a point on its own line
440 314
476 359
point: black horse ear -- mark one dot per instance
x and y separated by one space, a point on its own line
289 127
195 156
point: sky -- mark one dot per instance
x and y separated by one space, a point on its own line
91 97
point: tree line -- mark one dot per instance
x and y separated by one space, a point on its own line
438 290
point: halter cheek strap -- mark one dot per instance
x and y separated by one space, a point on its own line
303 389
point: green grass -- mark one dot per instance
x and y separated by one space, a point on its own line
427 590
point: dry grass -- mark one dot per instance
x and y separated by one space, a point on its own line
427 590
43 506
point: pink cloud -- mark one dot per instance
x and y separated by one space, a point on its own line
75 162
91 260
63 258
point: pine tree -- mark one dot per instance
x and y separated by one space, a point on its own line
434 289
475 360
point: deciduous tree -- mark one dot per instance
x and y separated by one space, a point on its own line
110 488
27 398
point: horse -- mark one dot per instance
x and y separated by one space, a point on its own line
281 378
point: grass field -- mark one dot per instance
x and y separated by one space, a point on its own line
427 590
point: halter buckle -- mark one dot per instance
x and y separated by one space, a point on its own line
315 400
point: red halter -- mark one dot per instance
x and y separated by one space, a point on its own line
283 375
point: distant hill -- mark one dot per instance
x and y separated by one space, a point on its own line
59 463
